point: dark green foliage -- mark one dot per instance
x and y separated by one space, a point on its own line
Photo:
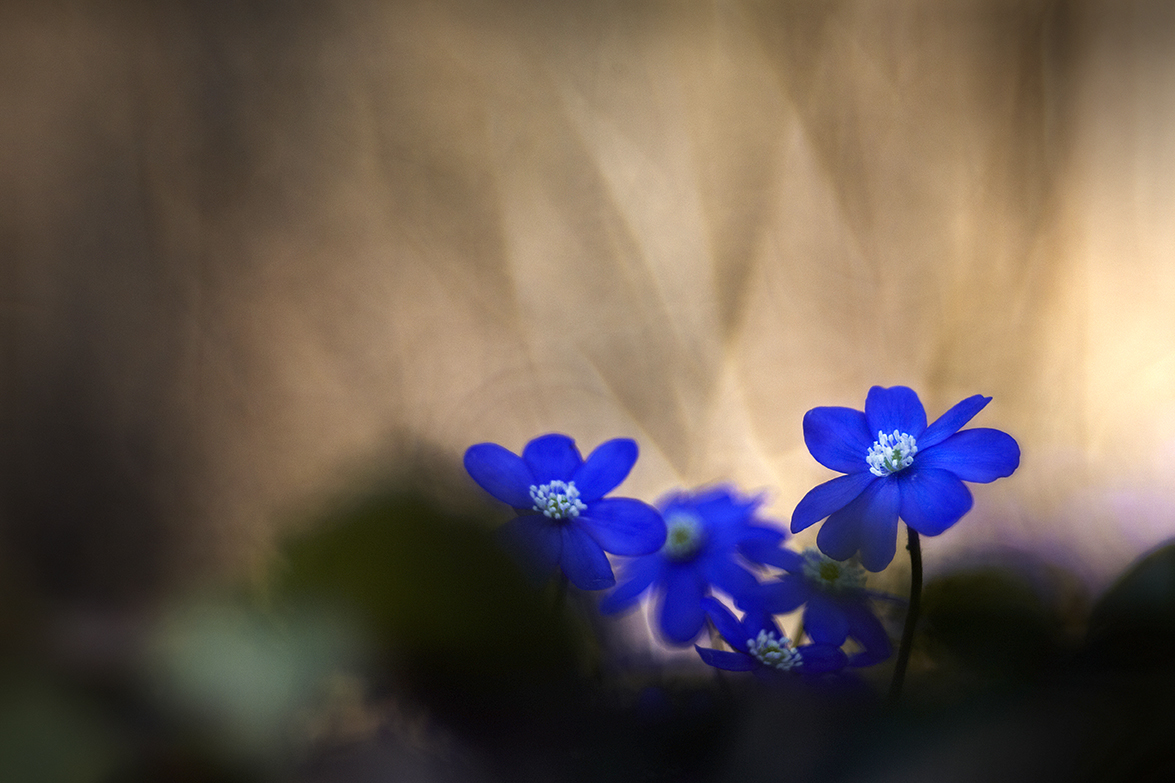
428 588
996 622
1133 625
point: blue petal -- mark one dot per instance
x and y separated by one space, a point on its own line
729 661
840 537
869 633
878 550
724 505
821 658
637 576
828 498
726 515
896 408
624 526
536 541
825 621
757 619
725 623
952 421
768 550
932 499
731 578
583 561
785 595
677 497
680 616
552 457
879 538
607 466
501 473
839 438
761 535
868 524
979 455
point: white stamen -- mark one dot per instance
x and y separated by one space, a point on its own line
557 500
685 534
891 453
832 575
774 652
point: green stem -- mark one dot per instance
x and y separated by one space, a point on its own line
899 671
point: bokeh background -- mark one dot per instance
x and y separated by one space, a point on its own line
256 258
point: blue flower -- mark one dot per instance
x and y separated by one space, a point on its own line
566 520
896 466
708 530
757 645
835 601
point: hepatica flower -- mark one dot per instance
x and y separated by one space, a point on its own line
710 532
565 520
896 466
835 601
759 646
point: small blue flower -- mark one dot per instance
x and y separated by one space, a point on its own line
835 601
708 530
757 645
896 466
566 520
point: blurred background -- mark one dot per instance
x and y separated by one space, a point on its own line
260 259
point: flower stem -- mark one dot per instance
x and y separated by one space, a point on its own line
899 671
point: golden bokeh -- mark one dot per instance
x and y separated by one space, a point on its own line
251 256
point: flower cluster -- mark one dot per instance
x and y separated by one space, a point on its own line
835 602
696 545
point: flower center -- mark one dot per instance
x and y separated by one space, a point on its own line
831 575
684 535
774 652
891 453
557 500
